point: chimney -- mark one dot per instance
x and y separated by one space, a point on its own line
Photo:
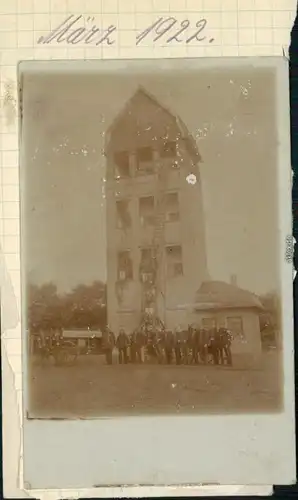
233 280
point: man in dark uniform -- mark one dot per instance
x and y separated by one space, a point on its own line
190 344
108 340
131 347
152 344
139 343
178 345
195 344
213 346
218 346
160 345
43 347
204 341
185 347
226 345
168 346
221 340
122 345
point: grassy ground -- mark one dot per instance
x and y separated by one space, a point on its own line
90 388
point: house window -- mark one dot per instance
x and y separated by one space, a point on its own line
121 159
169 150
221 323
145 163
123 214
208 323
174 261
146 211
172 207
147 265
235 325
125 267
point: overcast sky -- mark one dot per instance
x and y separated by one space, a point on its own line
231 115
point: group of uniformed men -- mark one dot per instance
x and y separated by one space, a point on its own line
189 346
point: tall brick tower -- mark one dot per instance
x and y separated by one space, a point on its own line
156 252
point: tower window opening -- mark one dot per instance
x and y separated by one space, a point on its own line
125 266
169 150
172 207
146 211
145 163
121 160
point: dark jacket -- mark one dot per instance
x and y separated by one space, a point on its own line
122 341
168 340
108 339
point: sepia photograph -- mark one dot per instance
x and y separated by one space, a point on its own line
150 250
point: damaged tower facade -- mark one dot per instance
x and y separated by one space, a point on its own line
156 252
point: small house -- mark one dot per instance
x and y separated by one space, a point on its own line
219 304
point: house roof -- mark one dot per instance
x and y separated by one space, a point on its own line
221 295
142 94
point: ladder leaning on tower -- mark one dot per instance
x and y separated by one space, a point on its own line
158 246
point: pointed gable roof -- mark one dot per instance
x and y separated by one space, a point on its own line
147 117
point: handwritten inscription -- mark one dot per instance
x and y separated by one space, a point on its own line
167 30
69 32
170 30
